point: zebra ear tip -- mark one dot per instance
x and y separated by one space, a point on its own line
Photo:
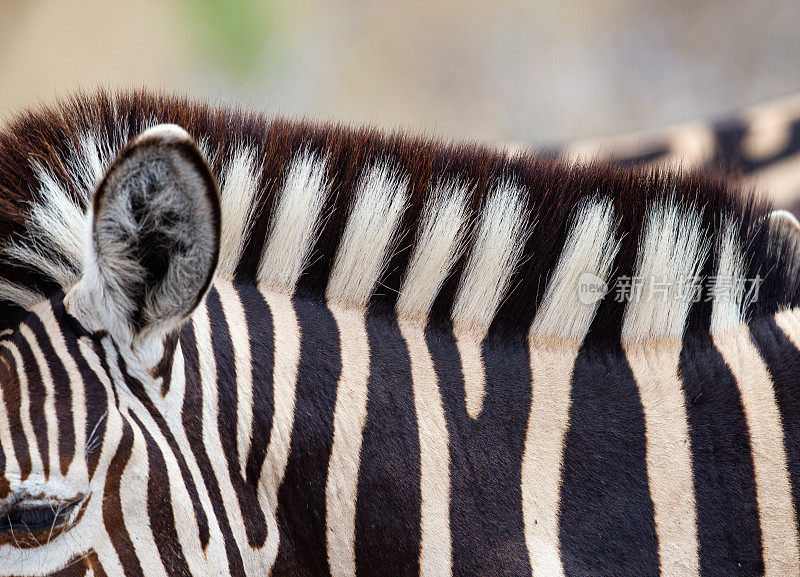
784 220
163 132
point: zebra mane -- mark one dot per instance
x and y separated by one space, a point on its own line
455 233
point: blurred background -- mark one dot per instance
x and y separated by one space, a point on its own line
501 70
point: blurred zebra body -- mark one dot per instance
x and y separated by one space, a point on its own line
757 147
413 359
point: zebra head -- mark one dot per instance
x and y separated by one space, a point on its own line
79 374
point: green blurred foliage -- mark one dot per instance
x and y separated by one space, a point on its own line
231 34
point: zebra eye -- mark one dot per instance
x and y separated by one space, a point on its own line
25 518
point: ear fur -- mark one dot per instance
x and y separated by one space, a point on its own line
154 240
785 220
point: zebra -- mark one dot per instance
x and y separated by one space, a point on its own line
240 345
757 146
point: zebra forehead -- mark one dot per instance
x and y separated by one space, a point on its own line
453 233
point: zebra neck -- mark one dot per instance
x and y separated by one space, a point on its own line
323 408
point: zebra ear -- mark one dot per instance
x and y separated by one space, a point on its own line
154 240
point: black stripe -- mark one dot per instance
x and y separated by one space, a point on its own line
79 566
12 395
192 420
227 402
159 508
7 375
654 154
783 362
388 503
607 525
728 527
113 520
37 397
487 528
93 562
730 154
62 394
261 331
137 389
301 498
262 343
96 398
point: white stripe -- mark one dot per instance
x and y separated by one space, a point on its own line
287 361
435 556
186 522
93 517
776 512
36 458
563 314
470 351
349 418
669 456
113 432
49 400
672 248
439 245
497 247
239 198
78 471
789 323
729 306
551 373
578 282
171 407
133 502
211 439
368 236
295 223
183 511
243 363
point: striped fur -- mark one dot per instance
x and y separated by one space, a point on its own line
288 191
395 372
180 442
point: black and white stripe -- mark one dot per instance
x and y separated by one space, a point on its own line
392 372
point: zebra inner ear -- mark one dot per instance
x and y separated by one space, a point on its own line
155 239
